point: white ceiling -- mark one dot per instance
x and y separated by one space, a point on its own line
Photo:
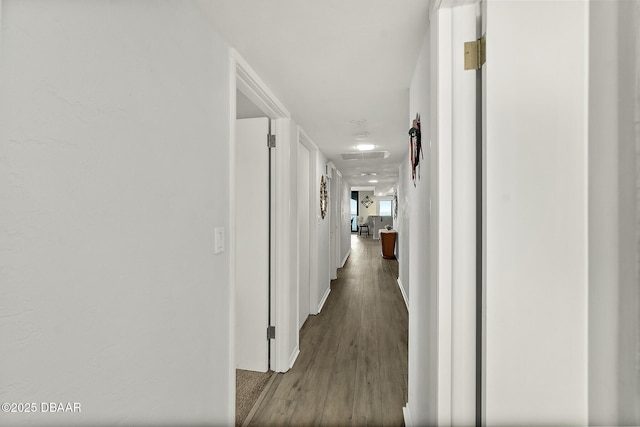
334 64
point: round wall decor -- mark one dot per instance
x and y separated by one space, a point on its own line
323 197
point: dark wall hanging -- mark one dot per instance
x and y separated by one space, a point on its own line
395 204
415 145
323 197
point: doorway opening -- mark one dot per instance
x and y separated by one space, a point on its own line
253 237
255 117
354 211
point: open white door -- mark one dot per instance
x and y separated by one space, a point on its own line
252 244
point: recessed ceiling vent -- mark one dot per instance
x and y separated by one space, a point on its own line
361 136
368 155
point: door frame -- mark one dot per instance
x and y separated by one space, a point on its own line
243 78
308 143
455 317
460 247
306 192
335 199
339 217
357 209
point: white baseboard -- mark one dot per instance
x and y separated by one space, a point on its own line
404 295
294 356
345 258
324 299
408 422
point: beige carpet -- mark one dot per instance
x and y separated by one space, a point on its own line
249 385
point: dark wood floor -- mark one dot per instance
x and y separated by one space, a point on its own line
352 367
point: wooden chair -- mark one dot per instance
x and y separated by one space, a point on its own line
362 224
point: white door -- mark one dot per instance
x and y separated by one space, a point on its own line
303 235
252 244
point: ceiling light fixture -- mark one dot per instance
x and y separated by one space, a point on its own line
373 181
365 147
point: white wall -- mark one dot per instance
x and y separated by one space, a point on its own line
536 214
403 225
114 166
423 344
614 76
629 209
323 237
363 211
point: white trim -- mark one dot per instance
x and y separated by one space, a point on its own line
406 413
483 404
459 234
273 254
330 169
231 242
449 4
0 28
335 200
324 299
246 80
305 140
252 86
585 208
282 263
404 294
363 188
344 261
443 85
294 356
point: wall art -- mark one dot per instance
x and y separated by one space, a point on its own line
415 146
324 197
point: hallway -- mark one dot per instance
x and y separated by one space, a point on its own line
352 367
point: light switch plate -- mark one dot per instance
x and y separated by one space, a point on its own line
219 240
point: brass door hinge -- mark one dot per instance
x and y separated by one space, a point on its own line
475 54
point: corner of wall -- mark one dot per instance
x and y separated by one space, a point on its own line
406 413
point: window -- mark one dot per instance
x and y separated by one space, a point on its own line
384 207
354 211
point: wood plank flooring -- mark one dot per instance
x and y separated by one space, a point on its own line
352 367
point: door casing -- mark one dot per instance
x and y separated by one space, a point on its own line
243 78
